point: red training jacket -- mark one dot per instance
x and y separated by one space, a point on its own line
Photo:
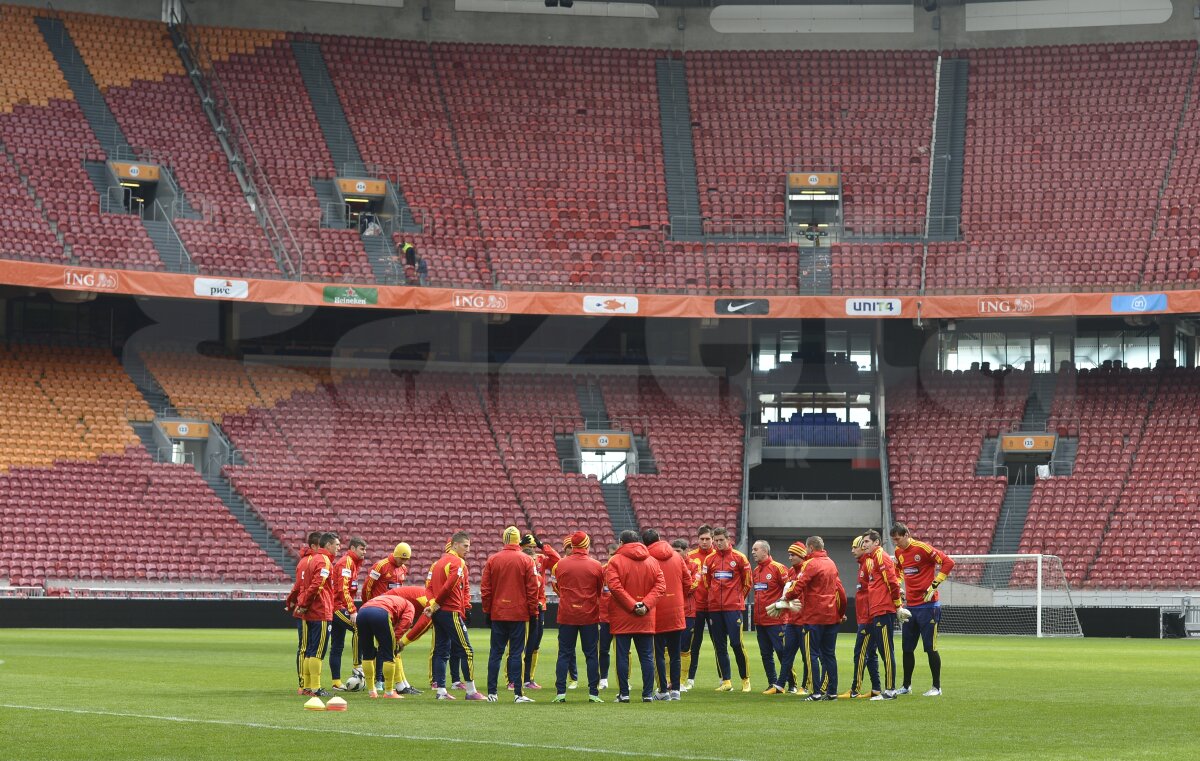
579 582
819 590
420 601
301 567
769 577
695 559
448 583
605 597
883 584
510 585
920 565
316 588
345 578
545 561
399 610
384 575
862 603
669 614
727 580
633 576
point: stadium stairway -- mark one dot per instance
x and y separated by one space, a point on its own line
112 139
679 157
986 464
333 213
147 385
246 515
1063 463
949 148
815 270
1041 399
646 462
564 446
145 432
1007 538
591 404
620 508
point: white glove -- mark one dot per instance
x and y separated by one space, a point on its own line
903 614
795 605
774 612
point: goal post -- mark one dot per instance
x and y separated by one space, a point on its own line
1016 595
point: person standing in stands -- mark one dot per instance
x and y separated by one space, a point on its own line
510 599
823 606
691 654
578 581
408 252
314 611
769 578
669 617
313 543
923 567
422 271
637 583
345 579
451 594
543 562
727 581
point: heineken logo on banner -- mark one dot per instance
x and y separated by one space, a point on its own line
345 294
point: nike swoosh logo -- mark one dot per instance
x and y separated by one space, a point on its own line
739 307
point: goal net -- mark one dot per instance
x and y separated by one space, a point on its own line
1019 595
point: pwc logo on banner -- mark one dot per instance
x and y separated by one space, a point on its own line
1139 303
610 305
89 280
220 288
1007 305
872 307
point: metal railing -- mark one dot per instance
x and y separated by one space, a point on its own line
820 496
261 197
185 259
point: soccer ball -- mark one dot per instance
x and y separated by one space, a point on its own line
355 683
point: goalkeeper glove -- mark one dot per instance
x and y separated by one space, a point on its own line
903 615
774 612
929 593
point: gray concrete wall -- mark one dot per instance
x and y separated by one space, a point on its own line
447 24
813 516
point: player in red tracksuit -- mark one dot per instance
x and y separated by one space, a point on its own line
312 544
451 591
314 610
382 621
865 657
923 567
544 561
670 621
387 573
579 582
768 577
885 598
345 579
691 652
637 583
510 590
823 600
604 654
727 582
421 622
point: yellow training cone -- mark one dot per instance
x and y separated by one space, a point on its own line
314 704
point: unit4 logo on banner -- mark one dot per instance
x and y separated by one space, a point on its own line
610 304
219 288
87 280
858 307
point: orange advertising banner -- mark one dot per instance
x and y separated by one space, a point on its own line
813 180
354 186
138 172
185 430
173 285
1021 442
603 440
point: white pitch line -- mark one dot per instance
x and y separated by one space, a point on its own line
385 736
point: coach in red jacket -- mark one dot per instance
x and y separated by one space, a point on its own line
769 577
314 610
670 617
510 600
579 582
636 582
823 601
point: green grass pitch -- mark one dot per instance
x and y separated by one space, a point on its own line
174 694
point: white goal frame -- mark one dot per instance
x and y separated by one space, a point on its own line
1053 607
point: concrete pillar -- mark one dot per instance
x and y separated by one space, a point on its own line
465 334
1166 341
